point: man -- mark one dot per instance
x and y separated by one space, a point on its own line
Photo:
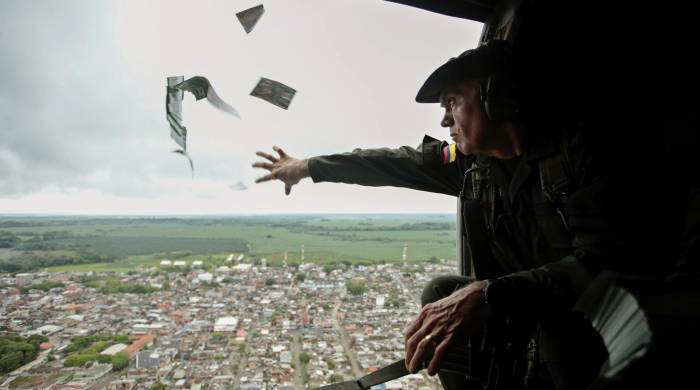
532 218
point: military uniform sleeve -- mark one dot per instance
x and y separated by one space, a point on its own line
415 168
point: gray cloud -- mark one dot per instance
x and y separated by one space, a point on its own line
65 110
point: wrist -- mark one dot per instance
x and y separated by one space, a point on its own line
483 291
492 294
304 168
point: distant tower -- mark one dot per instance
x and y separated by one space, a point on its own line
404 257
284 262
302 253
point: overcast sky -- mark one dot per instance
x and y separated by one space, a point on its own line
83 87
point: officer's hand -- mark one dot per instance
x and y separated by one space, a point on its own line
458 315
285 168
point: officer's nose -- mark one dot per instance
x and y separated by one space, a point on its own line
447 120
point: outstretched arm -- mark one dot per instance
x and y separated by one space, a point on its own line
419 168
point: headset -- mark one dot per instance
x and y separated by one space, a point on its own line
499 90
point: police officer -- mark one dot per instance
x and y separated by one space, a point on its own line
531 213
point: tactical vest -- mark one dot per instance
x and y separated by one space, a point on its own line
477 201
479 210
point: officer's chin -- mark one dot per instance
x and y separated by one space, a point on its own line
464 148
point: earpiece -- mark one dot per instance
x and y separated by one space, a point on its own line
499 89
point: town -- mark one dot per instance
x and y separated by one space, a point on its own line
189 325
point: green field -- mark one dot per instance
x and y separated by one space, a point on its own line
129 242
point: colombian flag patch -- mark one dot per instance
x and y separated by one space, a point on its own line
449 153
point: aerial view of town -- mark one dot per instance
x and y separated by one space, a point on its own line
263 302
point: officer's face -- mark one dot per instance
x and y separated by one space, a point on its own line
465 116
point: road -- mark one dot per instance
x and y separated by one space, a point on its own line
243 359
356 368
296 350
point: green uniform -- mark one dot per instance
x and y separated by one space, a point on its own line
541 247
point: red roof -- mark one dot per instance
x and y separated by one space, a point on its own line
139 343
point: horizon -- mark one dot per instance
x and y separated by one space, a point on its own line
3 215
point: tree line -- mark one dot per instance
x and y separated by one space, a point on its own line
29 261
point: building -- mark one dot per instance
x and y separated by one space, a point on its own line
147 360
242 267
75 318
179 374
286 357
114 349
226 324
166 263
46 330
22 279
380 301
148 328
206 277
180 263
138 344
197 264
84 377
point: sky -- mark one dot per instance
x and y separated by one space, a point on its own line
82 102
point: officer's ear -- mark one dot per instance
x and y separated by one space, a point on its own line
498 95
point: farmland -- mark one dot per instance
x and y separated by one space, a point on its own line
124 243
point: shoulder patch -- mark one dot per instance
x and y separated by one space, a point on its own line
449 154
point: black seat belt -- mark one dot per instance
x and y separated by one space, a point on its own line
456 360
